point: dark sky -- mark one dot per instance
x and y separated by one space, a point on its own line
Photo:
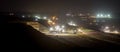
56 6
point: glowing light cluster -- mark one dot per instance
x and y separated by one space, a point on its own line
108 30
44 17
58 28
51 29
72 23
103 16
37 17
116 32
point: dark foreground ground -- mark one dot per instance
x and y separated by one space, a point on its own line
19 36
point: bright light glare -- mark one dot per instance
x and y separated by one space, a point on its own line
63 30
63 26
108 15
98 15
23 16
57 28
62 34
72 24
44 17
37 17
49 21
53 23
115 32
106 27
101 15
107 31
79 30
51 29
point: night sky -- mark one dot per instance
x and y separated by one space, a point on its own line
57 6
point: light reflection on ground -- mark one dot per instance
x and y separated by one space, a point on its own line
62 34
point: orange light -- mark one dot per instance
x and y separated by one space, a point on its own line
53 23
54 17
49 22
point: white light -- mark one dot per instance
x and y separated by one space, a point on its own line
63 30
37 17
107 31
44 17
106 27
74 24
70 23
57 28
101 15
63 26
80 30
68 14
98 15
23 16
115 32
51 29
108 15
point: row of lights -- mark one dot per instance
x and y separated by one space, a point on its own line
103 16
58 28
40 17
37 17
